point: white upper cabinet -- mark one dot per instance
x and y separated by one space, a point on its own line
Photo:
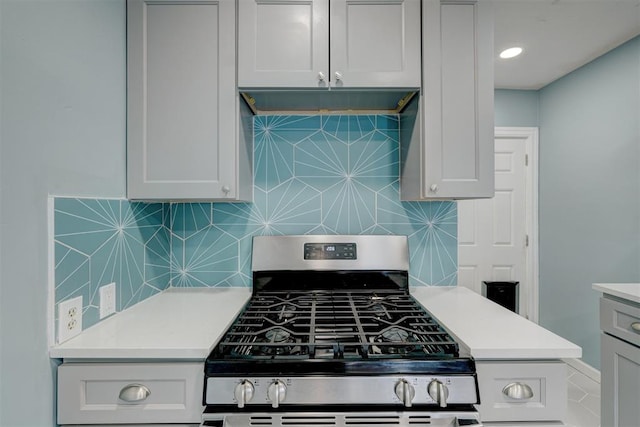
375 43
188 134
322 43
283 43
448 142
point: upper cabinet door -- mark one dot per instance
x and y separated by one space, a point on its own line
283 43
375 43
458 99
182 107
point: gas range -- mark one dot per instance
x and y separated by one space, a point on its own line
331 336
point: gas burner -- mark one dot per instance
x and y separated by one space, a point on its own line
278 350
379 310
276 342
278 335
395 335
396 341
287 311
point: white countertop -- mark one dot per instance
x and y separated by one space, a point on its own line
176 324
490 331
187 323
628 291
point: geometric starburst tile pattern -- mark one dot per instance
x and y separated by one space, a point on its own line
317 175
100 241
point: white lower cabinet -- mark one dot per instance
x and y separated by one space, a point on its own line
130 393
517 391
620 383
620 362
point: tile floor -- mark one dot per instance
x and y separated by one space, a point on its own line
584 400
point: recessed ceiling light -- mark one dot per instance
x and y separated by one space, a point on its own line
511 52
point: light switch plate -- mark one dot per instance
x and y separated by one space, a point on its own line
69 318
107 300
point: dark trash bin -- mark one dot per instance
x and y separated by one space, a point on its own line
503 293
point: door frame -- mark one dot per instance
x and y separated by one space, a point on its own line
529 136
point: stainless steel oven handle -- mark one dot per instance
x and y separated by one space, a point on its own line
344 419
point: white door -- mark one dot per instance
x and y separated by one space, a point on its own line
495 236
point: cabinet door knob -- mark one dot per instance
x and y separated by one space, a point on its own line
338 75
226 189
434 188
635 326
518 391
134 393
321 76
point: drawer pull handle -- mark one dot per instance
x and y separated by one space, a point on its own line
518 391
134 393
635 326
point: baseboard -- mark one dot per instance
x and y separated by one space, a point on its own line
584 368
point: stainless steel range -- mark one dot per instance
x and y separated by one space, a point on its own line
331 336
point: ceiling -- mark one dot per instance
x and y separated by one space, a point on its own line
558 36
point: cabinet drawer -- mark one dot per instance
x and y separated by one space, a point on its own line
546 382
620 320
103 393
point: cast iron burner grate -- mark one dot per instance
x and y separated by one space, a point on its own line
352 324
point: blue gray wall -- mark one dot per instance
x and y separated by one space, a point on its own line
589 191
62 132
589 173
516 108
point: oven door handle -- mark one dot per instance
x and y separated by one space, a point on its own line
243 420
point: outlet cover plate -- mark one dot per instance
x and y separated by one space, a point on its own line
69 318
107 300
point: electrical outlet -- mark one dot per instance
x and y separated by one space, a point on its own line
69 318
107 300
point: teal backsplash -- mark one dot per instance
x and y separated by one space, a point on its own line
98 241
313 175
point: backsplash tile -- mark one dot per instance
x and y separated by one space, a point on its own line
98 241
313 175
318 175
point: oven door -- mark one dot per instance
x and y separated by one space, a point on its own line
344 419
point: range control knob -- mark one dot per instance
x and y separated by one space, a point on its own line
438 392
244 393
405 392
276 392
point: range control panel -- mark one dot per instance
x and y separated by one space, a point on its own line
316 251
356 390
